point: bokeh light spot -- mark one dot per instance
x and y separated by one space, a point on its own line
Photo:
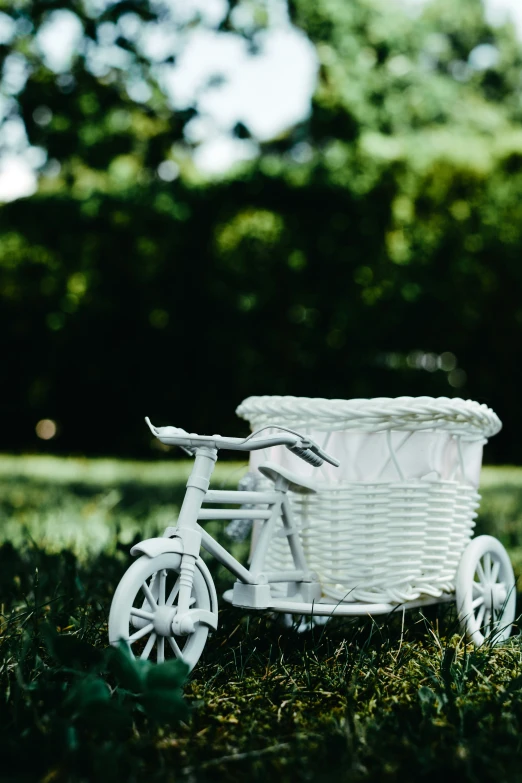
457 378
46 429
448 361
168 170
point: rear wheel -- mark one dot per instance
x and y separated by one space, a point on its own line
144 605
485 591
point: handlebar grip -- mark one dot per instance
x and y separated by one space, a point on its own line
328 458
166 432
308 455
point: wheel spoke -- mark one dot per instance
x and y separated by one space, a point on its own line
146 604
484 578
135 612
148 647
161 591
177 652
480 572
161 650
150 598
141 633
173 593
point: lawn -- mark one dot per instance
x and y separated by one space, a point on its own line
401 699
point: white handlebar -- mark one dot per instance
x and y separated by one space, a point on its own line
303 447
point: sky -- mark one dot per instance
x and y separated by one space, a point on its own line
268 92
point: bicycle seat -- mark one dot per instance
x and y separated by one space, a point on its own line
295 482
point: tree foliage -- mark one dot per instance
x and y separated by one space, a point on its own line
98 109
372 250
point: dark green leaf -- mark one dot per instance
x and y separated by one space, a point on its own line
129 673
171 675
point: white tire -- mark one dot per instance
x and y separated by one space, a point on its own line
485 591
146 594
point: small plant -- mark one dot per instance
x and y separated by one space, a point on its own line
70 706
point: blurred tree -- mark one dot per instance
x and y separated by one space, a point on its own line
401 210
84 78
372 250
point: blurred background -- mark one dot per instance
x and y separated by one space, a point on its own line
205 200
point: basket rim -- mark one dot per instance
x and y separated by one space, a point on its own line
453 414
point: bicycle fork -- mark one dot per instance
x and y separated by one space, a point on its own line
187 530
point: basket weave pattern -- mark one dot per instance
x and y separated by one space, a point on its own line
460 417
380 541
383 542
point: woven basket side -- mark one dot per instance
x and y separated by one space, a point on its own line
376 543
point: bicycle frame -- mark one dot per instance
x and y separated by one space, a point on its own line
252 588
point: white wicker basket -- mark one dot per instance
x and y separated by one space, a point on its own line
391 524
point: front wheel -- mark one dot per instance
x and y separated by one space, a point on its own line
485 591
144 605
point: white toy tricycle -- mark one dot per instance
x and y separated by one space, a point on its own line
385 523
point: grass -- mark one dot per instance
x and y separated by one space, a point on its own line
92 506
400 699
